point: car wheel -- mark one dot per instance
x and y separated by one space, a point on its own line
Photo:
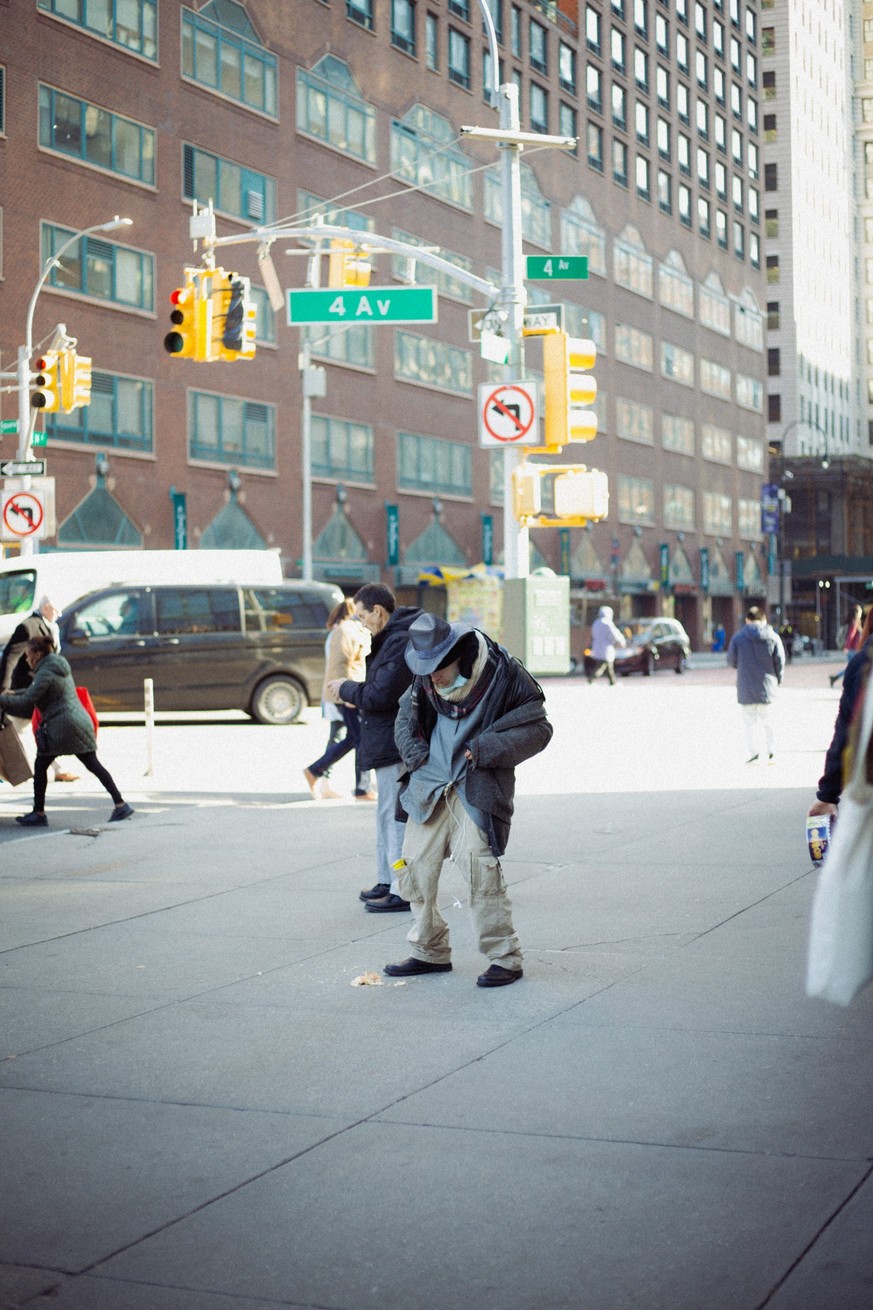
648 664
681 663
278 700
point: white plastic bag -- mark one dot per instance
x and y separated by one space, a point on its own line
840 960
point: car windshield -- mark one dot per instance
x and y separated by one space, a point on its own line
638 633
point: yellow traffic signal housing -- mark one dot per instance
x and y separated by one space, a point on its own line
184 341
568 389
81 381
47 395
526 496
580 495
347 265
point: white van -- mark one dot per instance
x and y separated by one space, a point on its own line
64 576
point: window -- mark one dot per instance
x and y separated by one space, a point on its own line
683 102
641 69
567 67
682 51
636 501
342 450
265 322
227 430
594 143
635 421
428 465
641 174
633 268
774 409
739 240
750 393
774 362
703 168
675 287
132 24
677 364
715 379
737 146
616 49
716 444
715 308
641 17
720 180
718 84
422 152
353 345
663 138
717 514
641 122
749 519
237 191
101 269
721 228
567 122
459 58
773 315
360 11
431 41
633 346
701 69
684 205
403 25
702 116
768 41
736 101
768 82
594 87
619 105
662 86
539 108
737 192
718 38
619 162
750 454
221 51
751 69
581 235
331 108
515 31
461 8
677 434
665 191
662 34
96 136
430 363
538 47
678 507
700 20
752 113
120 415
752 160
592 29
536 210
683 153
720 134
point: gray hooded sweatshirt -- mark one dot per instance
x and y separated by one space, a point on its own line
757 654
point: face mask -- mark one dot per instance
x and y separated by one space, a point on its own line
444 691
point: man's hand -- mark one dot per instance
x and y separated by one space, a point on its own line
334 687
822 807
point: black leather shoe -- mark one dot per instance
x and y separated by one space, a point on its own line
407 968
377 893
32 820
387 904
497 976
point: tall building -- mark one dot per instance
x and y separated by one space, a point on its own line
352 110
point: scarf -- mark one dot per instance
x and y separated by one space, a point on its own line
460 702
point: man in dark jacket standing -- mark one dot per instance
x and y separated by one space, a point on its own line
377 699
757 655
471 715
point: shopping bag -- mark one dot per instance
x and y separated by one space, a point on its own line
840 959
14 764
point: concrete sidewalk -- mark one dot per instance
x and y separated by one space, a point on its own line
199 1111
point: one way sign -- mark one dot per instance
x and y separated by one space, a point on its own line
21 468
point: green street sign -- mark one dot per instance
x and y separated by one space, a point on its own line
40 439
8 426
551 268
367 305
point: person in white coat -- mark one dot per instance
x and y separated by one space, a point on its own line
605 636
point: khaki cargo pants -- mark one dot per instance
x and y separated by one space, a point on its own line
450 832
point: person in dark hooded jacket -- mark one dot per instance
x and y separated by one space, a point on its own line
757 655
376 699
65 727
472 714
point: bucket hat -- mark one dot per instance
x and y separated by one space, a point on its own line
430 640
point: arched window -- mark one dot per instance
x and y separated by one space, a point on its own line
331 108
632 267
423 154
222 51
581 234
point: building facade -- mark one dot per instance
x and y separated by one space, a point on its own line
352 109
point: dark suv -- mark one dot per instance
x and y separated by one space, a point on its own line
211 647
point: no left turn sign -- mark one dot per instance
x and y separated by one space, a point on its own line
23 514
508 414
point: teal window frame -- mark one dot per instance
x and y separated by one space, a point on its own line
79 119
120 415
265 327
104 272
90 15
226 180
210 413
430 464
422 154
354 346
242 69
331 109
426 362
343 450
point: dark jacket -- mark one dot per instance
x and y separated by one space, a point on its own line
513 728
15 672
66 728
757 655
830 784
377 697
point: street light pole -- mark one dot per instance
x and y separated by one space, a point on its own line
24 374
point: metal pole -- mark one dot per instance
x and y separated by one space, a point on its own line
148 690
516 543
303 362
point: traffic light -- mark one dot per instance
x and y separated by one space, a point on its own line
234 318
347 265
48 383
189 318
582 494
526 495
81 381
568 389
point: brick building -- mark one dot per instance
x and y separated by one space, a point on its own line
352 108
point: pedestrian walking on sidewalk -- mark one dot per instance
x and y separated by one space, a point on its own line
15 673
472 714
857 671
605 636
65 729
851 639
757 655
345 654
377 698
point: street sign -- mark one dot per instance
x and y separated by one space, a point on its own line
22 515
366 306
539 317
20 468
548 268
8 426
508 414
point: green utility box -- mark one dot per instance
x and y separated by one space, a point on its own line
536 621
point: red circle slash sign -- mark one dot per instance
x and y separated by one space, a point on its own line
508 413
23 514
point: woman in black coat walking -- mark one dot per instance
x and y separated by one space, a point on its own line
66 727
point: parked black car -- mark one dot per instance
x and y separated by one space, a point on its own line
653 644
255 648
